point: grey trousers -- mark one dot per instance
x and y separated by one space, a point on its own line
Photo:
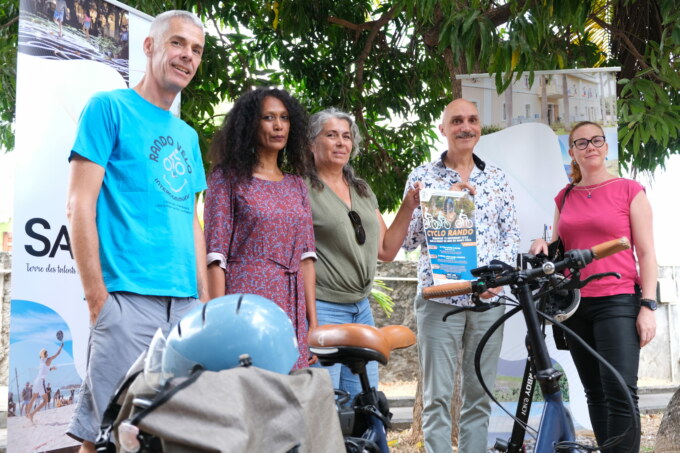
123 330
439 346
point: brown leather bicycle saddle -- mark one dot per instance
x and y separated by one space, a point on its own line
359 341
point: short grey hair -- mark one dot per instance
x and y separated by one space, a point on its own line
160 23
318 120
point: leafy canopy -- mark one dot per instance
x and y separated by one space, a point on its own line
393 64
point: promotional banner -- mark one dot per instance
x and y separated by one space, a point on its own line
68 50
525 133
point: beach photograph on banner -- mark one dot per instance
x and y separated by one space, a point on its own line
448 219
43 375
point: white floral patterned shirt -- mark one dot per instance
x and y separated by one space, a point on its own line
495 217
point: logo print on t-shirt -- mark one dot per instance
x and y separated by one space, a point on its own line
175 167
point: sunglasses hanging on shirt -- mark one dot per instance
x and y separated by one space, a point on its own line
358 227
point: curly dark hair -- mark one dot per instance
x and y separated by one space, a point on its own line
233 146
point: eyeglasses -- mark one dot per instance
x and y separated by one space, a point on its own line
582 143
358 227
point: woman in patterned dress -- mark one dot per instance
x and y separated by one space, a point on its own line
258 222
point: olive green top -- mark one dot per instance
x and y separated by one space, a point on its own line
344 269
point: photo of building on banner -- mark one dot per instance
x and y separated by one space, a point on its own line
448 218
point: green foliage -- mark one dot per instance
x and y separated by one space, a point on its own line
393 65
491 129
508 388
9 27
382 298
649 102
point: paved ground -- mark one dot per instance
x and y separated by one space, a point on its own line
652 399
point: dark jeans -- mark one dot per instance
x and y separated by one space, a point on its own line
607 324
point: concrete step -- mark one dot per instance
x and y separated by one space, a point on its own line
402 417
657 389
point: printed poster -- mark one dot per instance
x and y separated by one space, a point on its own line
449 223
67 51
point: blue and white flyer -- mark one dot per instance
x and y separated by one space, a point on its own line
449 223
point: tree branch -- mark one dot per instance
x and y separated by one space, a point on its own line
347 24
361 61
374 27
8 24
500 14
627 43
456 85
225 43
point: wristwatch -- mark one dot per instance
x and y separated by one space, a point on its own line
649 303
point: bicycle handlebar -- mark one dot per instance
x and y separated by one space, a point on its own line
576 259
610 247
448 289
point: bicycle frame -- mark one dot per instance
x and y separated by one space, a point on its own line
556 425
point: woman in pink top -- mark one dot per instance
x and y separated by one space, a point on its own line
616 316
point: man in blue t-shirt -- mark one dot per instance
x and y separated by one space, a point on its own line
137 242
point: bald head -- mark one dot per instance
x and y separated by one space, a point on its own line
461 126
453 106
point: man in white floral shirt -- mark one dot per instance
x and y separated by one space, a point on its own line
441 343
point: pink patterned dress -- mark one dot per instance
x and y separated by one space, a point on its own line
260 231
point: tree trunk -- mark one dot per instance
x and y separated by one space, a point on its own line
668 437
456 402
417 424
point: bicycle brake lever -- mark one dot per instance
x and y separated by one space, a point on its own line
597 277
454 311
477 308
486 306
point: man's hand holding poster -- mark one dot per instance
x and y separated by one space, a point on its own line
449 222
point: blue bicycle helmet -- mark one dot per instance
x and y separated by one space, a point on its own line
215 336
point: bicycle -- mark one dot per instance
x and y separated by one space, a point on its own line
365 420
463 221
443 221
556 429
430 222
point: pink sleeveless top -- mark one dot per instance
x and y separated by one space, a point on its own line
595 214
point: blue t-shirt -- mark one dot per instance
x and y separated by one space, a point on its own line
145 209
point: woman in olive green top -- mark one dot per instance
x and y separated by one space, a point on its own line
349 231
